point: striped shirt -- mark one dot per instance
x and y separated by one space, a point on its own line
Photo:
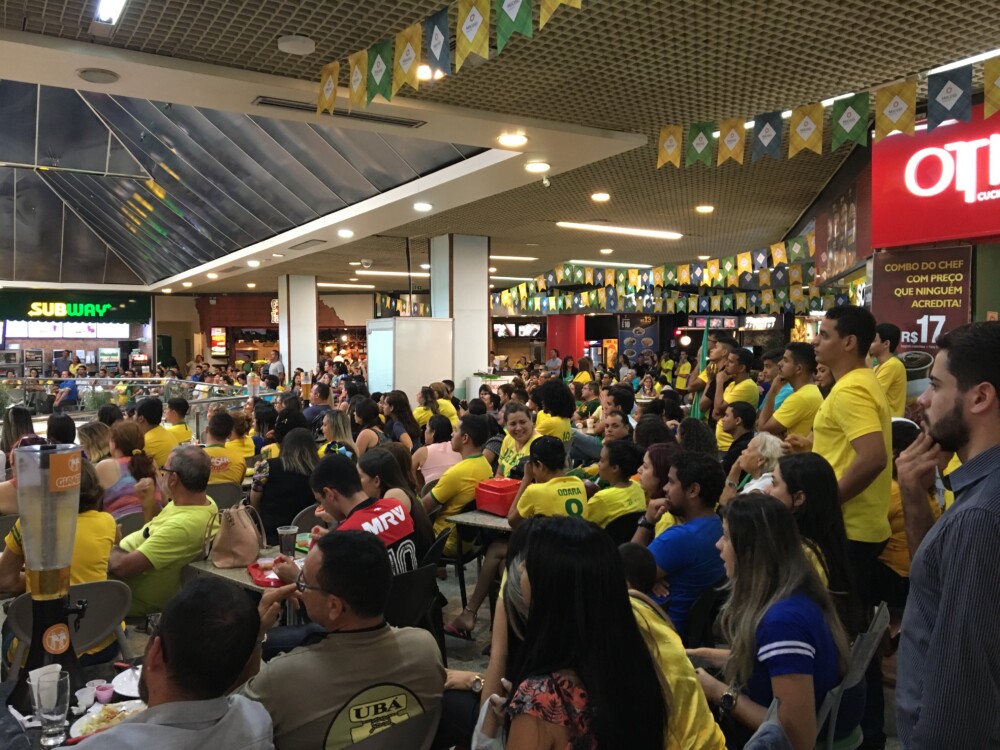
948 679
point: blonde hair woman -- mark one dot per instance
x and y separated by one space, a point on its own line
94 437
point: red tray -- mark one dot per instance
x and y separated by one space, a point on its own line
265 578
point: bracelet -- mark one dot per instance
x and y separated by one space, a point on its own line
645 524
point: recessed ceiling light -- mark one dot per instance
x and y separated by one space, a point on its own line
704 209
109 11
422 206
511 278
168 290
537 167
98 75
424 73
606 264
512 140
296 44
345 233
251 285
531 244
518 258
354 263
253 263
704 257
344 286
600 197
277 255
414 274
492 269
353 278
659 234
492 285
425 266
607 250
186 284
212 275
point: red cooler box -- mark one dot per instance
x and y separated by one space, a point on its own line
496 495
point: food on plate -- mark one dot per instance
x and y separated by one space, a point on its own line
629 341
108 716
630 353
647 341
265 563
639 331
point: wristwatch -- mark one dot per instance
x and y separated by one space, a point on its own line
732 484
477 684
646 524
727 703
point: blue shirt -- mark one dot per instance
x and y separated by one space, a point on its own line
70 385
785 392
687 554
948 679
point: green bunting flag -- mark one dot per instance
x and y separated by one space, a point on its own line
699 144
850 120
380 70
513 17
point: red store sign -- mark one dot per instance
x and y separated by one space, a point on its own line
937 185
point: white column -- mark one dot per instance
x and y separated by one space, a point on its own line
460 290
297 329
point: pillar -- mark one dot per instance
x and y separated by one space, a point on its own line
298 333
460 291
565 333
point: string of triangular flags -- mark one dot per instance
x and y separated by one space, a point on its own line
779 278
949 97
390 306
391 63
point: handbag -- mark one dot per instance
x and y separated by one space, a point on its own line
238 541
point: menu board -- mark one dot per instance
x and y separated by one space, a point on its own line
80 330
218 342
638 334
113 331
41 329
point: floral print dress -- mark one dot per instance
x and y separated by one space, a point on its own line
560 699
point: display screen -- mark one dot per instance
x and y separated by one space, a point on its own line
218 342
504 330
529 330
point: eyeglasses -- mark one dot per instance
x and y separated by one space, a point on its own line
301 586
167 470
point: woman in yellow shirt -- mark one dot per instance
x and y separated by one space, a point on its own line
584 371
556 407
652 478
239 440
520 434
620 459
545 489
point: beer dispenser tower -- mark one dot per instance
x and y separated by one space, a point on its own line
48 501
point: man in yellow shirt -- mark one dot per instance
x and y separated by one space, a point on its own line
545 489
457 486
228 465
733 383
620 459
159 442
174 414
890 372
683 372
796 413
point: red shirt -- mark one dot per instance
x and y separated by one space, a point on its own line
388 520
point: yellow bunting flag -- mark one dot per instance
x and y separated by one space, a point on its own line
328 88
715 303
588 275
602 297
732 140
767 299
744 263
670 146
795 275
764 277
895 109
540 283
805 131
671 305
549 7
472 32
633 277
406 59
741 301
358 72
684 274
795 294
560 272
814 291
658 276
778 253
713 269
991 87
811 241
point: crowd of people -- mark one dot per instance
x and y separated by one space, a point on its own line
667 576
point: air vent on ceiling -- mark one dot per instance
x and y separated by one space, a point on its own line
399 122
307 244
230 269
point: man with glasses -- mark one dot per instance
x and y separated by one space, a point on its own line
186 676
151 559
363 675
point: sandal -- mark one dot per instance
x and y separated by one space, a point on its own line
465 635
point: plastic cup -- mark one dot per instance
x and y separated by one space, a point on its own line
95 683
104 693
50 702
85 697
286 540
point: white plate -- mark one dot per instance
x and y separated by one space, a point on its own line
132 707
126 683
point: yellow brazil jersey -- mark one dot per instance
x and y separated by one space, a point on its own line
856 407
745 390
949 496
683 372
582 377
158 444
180 431
422 414
557 427
510 456
608 504
228 465
457 488
896 554
891 375
560 496
666 521
798 410
245 447
690 723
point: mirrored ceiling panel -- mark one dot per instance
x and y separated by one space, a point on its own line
167 188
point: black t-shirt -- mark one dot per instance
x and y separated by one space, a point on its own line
737 447
284 495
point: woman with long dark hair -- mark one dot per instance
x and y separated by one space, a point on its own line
695 435
371 432
652 478
806 484
281 485
567 371
786 639
436 455
556 407
400 424
381 476
567 592
17 430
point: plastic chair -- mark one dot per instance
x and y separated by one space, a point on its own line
6 524
416 733
770 735
622 529
433 554
306 518
464 557
414 602
107 604
702 615
132 522
226 494
862 651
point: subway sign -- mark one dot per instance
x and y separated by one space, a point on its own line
68 306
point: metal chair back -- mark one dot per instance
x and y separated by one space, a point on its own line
226 494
